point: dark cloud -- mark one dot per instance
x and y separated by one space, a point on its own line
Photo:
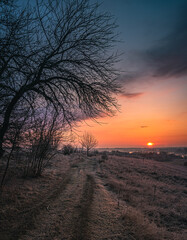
128 77
132 95
169 57
144 126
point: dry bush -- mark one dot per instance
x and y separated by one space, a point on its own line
68 149
42 142
104 156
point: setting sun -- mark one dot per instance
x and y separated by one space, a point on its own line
150 144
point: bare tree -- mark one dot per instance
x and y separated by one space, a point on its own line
88 141
13 26
57 54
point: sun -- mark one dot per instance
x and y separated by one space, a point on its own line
150 144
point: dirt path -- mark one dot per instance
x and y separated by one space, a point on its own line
80 209
81 229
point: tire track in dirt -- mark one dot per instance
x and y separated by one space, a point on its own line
57 222
99 215
27 217
68 215
81 230
80 208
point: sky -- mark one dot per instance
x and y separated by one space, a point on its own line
153 75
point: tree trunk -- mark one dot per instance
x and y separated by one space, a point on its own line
6 120
87 151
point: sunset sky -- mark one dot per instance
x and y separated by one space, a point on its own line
153 68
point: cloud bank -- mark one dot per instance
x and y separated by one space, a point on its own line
132 95
165 59
169 57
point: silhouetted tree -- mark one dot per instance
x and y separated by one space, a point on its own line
56 54
88 141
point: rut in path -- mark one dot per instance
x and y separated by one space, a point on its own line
27 218
80 208
81 231
67 215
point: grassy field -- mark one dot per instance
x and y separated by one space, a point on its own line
155 194
86 198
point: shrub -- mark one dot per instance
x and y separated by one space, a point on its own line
38 157
68 149
104 156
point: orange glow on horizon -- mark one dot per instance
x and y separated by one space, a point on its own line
150 144
159 116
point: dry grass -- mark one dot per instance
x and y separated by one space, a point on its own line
155 195
139 227
21 199
121 198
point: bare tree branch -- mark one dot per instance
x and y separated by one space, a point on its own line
58 55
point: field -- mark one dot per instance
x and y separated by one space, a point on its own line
90 198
